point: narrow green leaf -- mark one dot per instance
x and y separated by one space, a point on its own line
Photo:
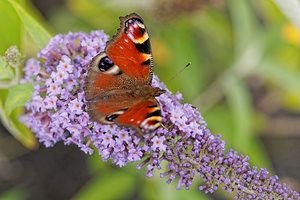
6 72
242 113
18 96
113 185
238 98
243 22
40 35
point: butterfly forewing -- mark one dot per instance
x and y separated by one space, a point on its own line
99 80
130 48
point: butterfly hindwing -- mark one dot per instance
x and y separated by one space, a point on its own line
144 116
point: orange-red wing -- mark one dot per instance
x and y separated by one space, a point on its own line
145 115
130 49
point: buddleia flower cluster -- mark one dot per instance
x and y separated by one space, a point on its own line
57 112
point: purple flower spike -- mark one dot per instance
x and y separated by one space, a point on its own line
57 112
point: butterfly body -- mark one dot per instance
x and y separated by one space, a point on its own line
118 82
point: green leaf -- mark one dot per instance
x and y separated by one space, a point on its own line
10 26
112 185
238 98
14 126
18 96
6 72
243 22
40 35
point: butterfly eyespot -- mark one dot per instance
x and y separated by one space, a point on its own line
111 118
143 30
105 64
134 21
136 31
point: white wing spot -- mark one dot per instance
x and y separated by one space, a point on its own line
152 127
120 112
135 25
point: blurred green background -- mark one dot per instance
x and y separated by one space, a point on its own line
244 79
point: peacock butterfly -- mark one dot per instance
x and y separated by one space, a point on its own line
118 82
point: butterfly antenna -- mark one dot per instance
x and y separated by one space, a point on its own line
164 127
178 72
